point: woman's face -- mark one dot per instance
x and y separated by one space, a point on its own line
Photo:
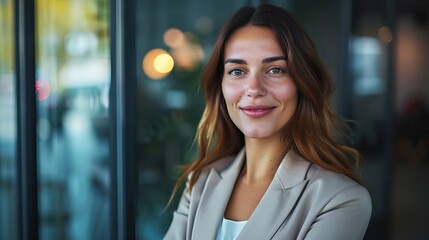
259 93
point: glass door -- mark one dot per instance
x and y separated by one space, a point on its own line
8 134
72 98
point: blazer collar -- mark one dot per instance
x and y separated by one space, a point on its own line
279 200
215 197
292 170
274 207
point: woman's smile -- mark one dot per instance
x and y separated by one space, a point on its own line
257 111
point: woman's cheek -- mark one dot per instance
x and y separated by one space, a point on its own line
231 93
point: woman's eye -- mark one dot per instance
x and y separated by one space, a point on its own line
276 70
236 72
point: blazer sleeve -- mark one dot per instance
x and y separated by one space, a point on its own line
178 226
346 216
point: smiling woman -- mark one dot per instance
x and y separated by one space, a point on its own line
268 164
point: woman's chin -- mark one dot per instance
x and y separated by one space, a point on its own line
258 134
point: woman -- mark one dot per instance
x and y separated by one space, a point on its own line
268 165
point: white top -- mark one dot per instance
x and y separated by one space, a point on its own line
229 230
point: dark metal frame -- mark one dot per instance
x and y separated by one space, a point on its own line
122 115
28 227
389 115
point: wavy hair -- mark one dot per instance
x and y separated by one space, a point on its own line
312 130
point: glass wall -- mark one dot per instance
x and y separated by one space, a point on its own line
72 85
8 134
411 106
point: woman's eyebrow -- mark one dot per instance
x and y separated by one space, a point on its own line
273 59
234 60
265 60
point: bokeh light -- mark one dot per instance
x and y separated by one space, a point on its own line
384 34
43 89
174 38
163 63
157 63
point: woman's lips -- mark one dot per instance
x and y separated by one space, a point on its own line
257 111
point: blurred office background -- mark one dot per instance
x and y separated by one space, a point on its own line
99 104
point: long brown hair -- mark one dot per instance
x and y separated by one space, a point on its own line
312 129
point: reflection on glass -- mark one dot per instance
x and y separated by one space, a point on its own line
368 72
72 84
366 66
8 135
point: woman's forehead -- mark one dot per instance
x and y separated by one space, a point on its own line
252 40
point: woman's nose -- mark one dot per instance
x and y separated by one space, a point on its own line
255 86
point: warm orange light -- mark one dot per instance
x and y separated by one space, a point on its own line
163 63
174 38
185 51
188 56
157 63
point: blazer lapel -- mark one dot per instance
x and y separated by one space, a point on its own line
279 200
214 199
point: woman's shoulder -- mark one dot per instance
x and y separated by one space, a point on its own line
319 175
335 185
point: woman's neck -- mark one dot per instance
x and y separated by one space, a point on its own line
263 156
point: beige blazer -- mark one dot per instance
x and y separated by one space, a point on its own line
303 201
